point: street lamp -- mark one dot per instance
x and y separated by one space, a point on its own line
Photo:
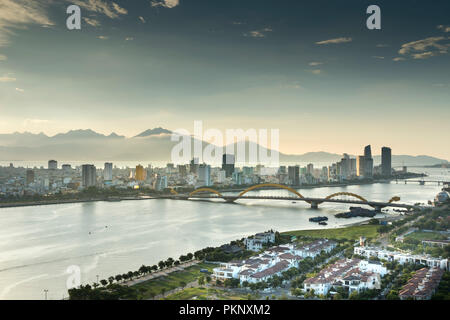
97 278
45 292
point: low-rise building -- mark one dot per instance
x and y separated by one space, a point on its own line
402 258
350 274
422 285
257 242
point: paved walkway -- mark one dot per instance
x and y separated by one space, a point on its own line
160 273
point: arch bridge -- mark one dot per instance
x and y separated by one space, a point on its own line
209 193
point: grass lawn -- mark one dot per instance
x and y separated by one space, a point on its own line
351 233
420 235
204 294
153 287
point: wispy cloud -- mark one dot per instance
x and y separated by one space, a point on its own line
258 33
165 3
382 45
103 37
92 22
7 78
315 71
315 63
18 14
377 57
129 38
425 48
444 28
20 90
3 57
110 9
336 40
398 59
142 19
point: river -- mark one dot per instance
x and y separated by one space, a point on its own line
38 244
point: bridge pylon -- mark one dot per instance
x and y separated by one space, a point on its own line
314 205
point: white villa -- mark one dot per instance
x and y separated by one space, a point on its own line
401 258
351 274
271 262
256 242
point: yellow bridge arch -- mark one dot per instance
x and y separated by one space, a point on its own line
206 190
354 195
275 185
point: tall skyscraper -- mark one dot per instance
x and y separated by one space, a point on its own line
294 175
204 175
386 161
52 164
368 162
228 164
193 168
140 173
30 176
88 175
107 172
360 166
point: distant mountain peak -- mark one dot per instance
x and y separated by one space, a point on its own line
153 132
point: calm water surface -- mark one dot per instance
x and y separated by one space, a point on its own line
38 244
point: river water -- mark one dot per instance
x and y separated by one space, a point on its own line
38 244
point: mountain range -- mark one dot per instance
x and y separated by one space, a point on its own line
150 145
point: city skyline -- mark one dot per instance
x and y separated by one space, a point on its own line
319 75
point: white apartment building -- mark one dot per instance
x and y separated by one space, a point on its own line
351 274
271 262
401 258
256 242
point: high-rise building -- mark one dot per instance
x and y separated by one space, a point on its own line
360 166
88 175
228 164
107 172
160 182
310 169
193 168
30 176
294 175
66 167
386 161
368 162
140 174
182 170
52 164
204 175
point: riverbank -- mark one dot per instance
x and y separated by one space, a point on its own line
146 197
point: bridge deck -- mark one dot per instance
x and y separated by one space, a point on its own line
309 200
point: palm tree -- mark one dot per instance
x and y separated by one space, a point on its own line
118 277
161 265
111 280
104 282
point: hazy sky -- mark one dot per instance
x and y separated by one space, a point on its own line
309 68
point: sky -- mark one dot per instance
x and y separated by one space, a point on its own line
311 69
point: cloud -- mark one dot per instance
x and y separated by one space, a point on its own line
34 122
444 28
425 48
336 40
398 59
316 71
92 22
103 37
7 78
377 57
3 57
142 19
382 45
20 90
129 39
18 14
258 33
111 10
314 63
118 9
165 3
